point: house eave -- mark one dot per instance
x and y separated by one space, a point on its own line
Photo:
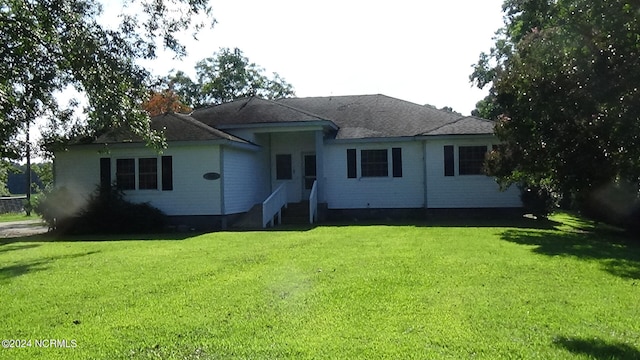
455 136
371 140
138 144
283 126
408 138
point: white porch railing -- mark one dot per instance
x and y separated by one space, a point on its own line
313 203
273 205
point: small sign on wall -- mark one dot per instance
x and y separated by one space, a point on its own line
211 176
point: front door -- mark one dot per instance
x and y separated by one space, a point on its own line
309 174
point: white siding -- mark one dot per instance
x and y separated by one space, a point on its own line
79 170
463 191
245 179
294 143
379 192
249 176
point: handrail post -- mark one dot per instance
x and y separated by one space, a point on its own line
313 202
273 205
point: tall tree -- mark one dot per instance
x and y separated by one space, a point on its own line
564 81
47 46
226 76
5 168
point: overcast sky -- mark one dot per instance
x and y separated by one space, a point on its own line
420 51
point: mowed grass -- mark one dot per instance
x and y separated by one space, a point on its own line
432 291
9 217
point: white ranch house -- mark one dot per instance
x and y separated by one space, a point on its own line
360 153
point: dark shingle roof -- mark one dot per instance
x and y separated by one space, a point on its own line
252 111
465 126
355 117
371 116
176 127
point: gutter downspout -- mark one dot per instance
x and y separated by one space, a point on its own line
223 223
319 140
424 167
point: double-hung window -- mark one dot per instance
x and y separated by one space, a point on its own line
126 174
375 163
139 174
471 160
147 173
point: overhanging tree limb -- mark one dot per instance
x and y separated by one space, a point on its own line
49 45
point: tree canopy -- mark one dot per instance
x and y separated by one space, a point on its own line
564 81
226 76
47 46
161 102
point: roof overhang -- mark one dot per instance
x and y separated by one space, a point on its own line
371 140
455 137
289 126
137 144
409 138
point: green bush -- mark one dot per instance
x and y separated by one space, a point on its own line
106 211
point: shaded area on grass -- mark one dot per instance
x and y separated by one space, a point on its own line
17 247
615 254
22 268
447 221
55 237
597 348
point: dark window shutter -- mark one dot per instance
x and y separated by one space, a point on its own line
105 172
448 161
351 164
167 173
396 157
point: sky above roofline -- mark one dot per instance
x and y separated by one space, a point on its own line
420 51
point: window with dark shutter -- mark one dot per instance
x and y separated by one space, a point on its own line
448 161
471 159
396 159
167 173
374 163
351 164
148 174
283 167
105 172
126 174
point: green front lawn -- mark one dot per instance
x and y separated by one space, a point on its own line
8 217
343 292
